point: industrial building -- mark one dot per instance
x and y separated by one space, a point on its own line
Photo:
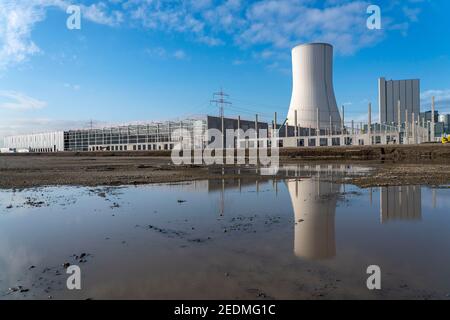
313 119
141 137
445 120
398 100
441 122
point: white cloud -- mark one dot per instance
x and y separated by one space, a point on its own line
442 99
99 13
275 25
16 23
13 100
283 24
158 52
74 87
18 18
161 53
180 55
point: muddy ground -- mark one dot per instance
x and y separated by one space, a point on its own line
392 165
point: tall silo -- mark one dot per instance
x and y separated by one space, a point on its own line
312 88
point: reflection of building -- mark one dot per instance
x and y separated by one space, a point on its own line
400 203
314 204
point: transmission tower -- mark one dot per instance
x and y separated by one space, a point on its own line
220 99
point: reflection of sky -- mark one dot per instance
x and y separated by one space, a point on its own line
168 265
13 260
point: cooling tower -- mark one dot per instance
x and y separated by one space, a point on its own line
312 87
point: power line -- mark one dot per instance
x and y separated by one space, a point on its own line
219 98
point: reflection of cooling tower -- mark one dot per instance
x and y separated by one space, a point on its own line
400 203
312 89
314 202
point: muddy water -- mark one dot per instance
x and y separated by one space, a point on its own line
302 238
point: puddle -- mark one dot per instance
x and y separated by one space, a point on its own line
304 238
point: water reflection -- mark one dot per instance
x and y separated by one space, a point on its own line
277 231
400 203
314 204
314 199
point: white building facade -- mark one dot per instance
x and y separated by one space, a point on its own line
40 142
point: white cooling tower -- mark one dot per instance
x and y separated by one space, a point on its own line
312 87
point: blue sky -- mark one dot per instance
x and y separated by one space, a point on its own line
155 60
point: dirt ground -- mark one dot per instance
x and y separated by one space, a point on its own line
392 165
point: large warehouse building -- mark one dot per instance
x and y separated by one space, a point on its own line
142 137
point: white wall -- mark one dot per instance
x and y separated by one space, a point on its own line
36 141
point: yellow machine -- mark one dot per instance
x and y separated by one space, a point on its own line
445 139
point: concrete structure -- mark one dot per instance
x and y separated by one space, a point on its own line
142 137
41 142
152 136
313 103
397 100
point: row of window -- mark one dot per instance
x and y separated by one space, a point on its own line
45 150
140 147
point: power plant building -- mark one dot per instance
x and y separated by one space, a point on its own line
313 119
391 92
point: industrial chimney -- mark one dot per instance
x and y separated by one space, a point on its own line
312 89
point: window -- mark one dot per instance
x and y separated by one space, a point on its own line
336 141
